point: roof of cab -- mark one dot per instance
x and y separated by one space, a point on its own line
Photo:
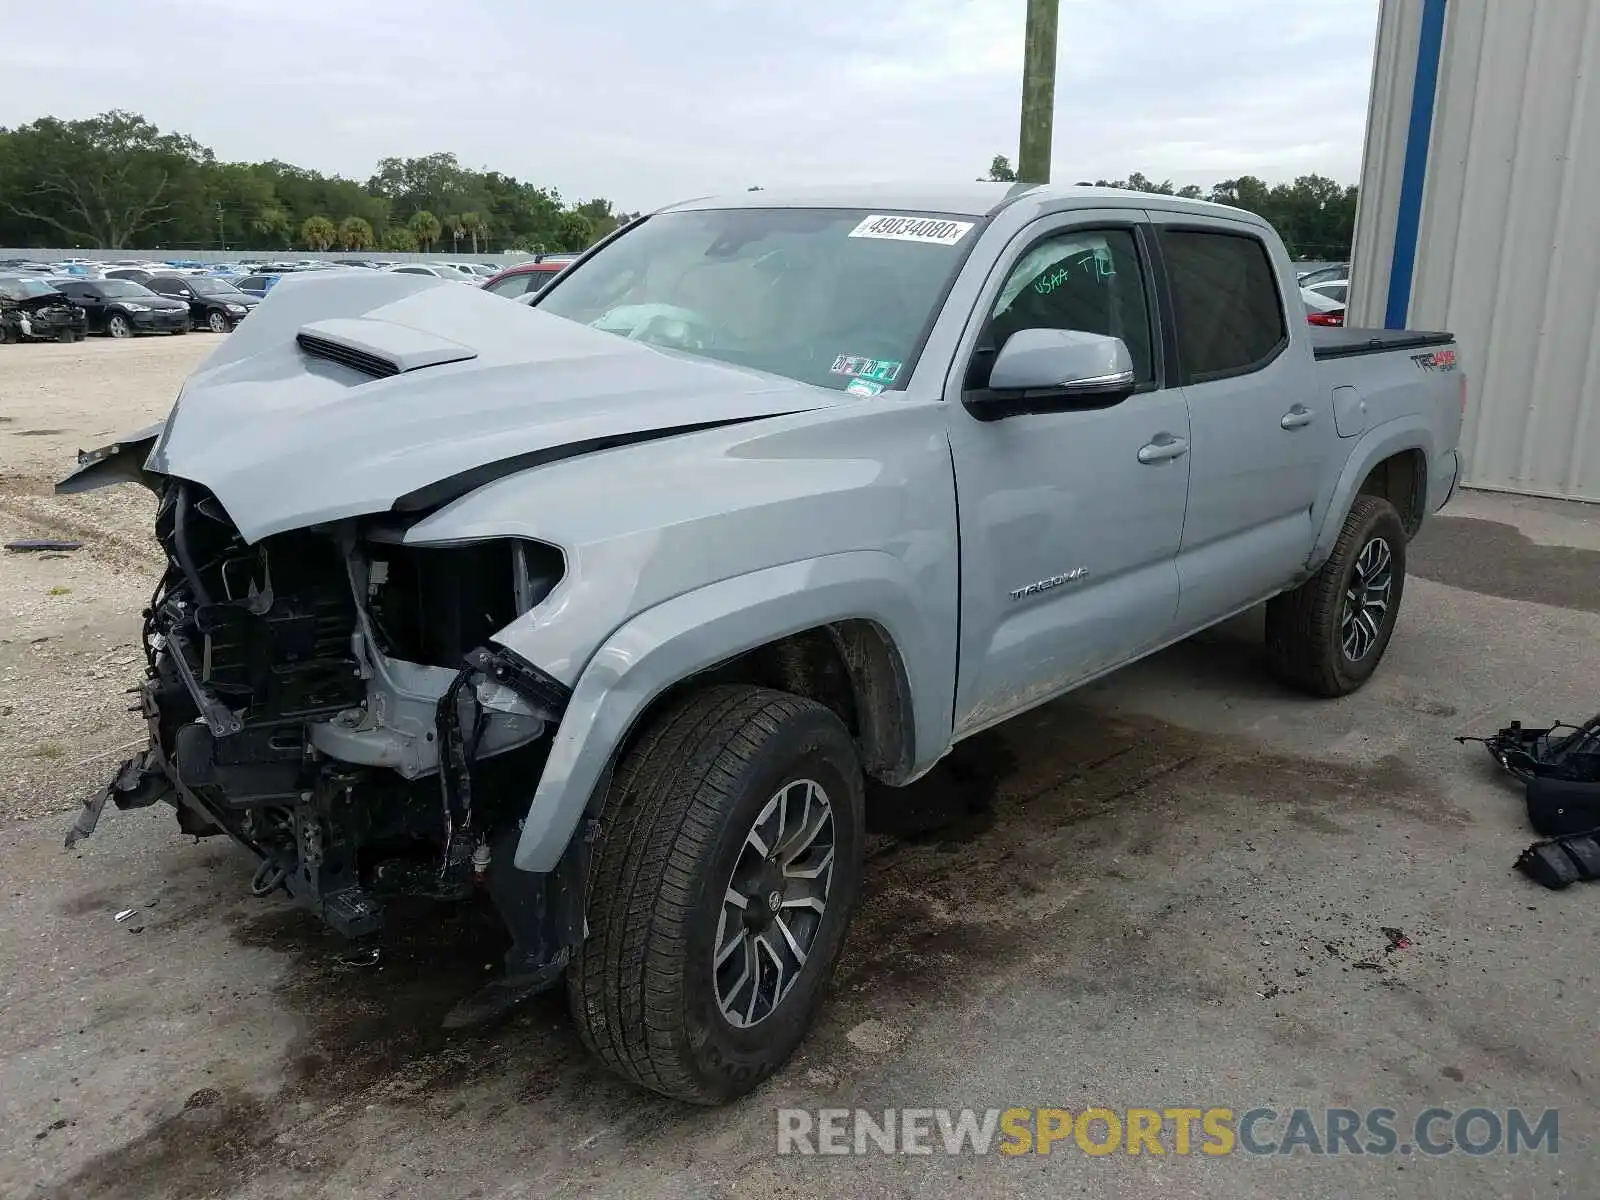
976 199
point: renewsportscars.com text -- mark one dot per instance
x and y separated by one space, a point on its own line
1216 1131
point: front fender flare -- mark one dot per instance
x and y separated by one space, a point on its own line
1377 444
699 629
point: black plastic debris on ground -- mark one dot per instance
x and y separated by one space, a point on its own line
1559 768
42 546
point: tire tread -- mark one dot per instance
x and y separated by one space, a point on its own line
657 831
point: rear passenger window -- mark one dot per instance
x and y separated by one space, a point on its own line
1225 298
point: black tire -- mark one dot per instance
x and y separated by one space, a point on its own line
118 326
684 799
1309 629
217 321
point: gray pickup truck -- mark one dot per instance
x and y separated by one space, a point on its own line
606 608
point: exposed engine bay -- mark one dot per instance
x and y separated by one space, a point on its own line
330 698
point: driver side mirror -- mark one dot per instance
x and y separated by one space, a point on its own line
1055 370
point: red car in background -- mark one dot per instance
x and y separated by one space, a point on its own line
528 277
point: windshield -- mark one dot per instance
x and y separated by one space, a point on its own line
208 286
837 298
25 289
123 289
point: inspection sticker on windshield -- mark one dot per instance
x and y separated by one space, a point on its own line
864 387
934 230
879 370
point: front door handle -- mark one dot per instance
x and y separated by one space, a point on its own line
1163 448
1298 417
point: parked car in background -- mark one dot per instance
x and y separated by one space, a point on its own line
258 284
1321 309
214 304
1334 289
1324 274
527 278
131 274
437 270
33 310
122 308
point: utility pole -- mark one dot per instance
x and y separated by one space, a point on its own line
1038 92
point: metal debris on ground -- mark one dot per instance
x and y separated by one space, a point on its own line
123 915
41 545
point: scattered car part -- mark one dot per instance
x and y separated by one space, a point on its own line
42 545
1560 862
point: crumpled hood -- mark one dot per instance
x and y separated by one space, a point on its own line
285 438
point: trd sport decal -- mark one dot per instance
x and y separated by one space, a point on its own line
1437 360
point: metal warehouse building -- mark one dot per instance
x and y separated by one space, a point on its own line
1480 213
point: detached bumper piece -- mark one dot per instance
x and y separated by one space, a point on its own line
1561 862
1559 768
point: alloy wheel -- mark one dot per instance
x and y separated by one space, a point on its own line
774 903
1366 599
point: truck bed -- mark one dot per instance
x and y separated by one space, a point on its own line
1328 342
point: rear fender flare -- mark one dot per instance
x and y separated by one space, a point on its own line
1377 444
699 629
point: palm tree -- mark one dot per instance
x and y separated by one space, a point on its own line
425 228
475 226
319 233
454 228
355 233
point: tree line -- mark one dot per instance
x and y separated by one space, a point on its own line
1315 216
115 181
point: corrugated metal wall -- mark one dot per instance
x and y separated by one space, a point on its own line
1508 248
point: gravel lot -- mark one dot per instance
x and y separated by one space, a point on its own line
1171 889
68 644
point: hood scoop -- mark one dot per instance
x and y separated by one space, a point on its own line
377 348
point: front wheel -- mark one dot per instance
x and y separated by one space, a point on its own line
118 326
217 321
1328 635
727 867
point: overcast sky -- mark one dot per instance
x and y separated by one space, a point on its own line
647 101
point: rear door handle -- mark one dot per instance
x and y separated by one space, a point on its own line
1163 448
1298 417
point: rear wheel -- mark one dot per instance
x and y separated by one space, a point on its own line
217 321
1328 635
727 868
118 326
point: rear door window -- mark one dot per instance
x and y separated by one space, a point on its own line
1225 300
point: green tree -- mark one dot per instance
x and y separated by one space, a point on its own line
602 220
474 226
273 224
101 181
319 233
574 232
425 228
1001 170
355 234
400 239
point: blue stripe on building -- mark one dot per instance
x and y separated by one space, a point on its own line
1408 223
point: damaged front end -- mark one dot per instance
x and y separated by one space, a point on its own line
332 699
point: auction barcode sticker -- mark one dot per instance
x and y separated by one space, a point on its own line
937 230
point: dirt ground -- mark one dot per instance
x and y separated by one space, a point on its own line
68 640
1178 887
